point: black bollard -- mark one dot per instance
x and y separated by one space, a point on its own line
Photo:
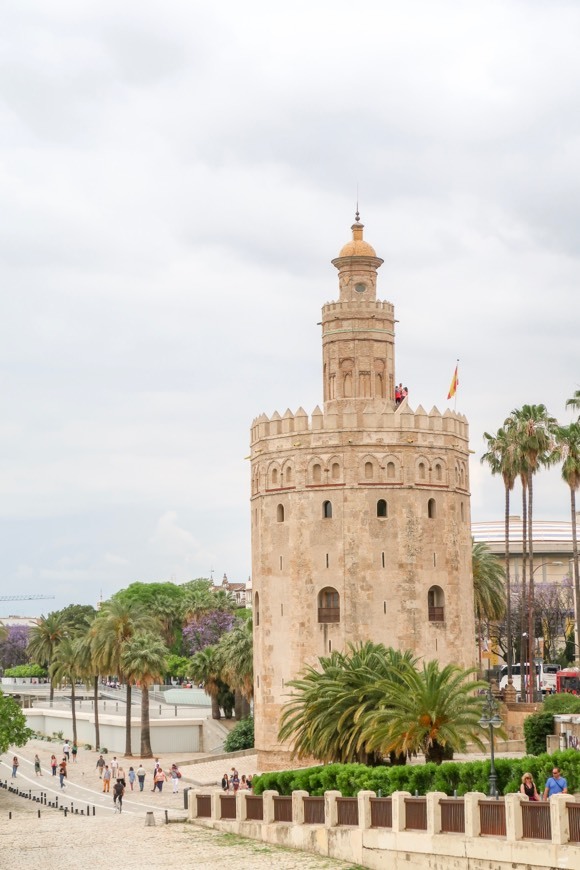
88 810
166 817
38 811
9 815
93 810
65 812
29 793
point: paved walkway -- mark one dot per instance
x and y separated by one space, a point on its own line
53 842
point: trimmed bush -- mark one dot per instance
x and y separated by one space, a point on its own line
562 704
241 736
463 777
536 729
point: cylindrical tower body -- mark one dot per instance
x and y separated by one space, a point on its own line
360 514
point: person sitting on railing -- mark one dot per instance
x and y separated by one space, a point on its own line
555 784
528 787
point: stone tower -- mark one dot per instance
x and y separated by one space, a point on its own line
360 513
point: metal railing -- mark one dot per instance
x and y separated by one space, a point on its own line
492 818
347 811
574 821
313 810
452 816
255 808
228 806
436 614
329 614
203 802
536 823
381 812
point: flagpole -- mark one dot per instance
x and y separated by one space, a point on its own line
455 395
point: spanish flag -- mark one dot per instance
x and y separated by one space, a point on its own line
454 383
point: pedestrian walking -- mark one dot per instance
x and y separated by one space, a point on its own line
175 777
53 764
160 778
75 749
114 767
62 772
118 792
555 784
106 779
66 750
37 768
132 778
121 775
156 767
100 765
15 765
141 774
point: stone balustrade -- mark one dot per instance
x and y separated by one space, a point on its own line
468 831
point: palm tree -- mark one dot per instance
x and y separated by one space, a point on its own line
115 624
236 651
64 666
206 669
44 640
488 587
568 450
574 402
500 456
428 710
326 711
533 430
89 672
144 659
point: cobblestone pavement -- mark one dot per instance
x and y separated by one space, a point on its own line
106 839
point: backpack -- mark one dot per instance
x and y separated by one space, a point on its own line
118 789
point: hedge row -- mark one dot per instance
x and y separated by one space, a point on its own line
449 777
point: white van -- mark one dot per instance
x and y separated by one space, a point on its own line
545 677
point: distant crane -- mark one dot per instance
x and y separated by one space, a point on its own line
23 597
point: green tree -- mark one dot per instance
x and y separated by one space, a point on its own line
533 430
325 714
574 402
13 728
44 640
64 668
489 592
236 653
115 624
205 667
427 710
143 661
89 672
500 456
568 451
163 600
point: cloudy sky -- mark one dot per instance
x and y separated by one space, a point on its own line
174 180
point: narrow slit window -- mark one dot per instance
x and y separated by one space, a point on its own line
382 510
327 510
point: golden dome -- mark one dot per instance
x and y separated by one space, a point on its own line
358 247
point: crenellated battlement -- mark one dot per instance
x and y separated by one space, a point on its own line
358 306
349 416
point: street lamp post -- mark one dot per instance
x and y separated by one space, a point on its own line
491 719
531 633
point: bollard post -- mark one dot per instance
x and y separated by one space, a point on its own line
160 709
166 817
9 815
88 810
175 710
38 811
93 810
116 706
149 819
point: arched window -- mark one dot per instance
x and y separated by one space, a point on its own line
256 609
436 604
328 605
369 470
274 477
390 470
381 508
288 474
316 473
431 509
421 471
327 510
335 471
438 472
280 513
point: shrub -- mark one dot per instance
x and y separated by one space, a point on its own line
562 704
241 736
536 729
25 671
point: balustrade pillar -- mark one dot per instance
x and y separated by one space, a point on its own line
472 813
364 808
331 808
434 811
298 806
559 818
268 799
399 810
514 828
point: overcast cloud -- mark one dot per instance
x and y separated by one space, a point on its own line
174 180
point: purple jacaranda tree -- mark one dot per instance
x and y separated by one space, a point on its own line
206 630
13 646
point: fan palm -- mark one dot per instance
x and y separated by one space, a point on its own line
500 456
568 450
44 640
488 587
574 402
143 660
89 672
115 624
235 650
427 710
206 669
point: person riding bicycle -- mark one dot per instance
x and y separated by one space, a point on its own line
118 792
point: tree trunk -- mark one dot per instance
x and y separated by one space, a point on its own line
73 700
531 607
510 646
246 709
215 708
524 586
128 751
435 752
576 579
96 705
238 704
145 724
